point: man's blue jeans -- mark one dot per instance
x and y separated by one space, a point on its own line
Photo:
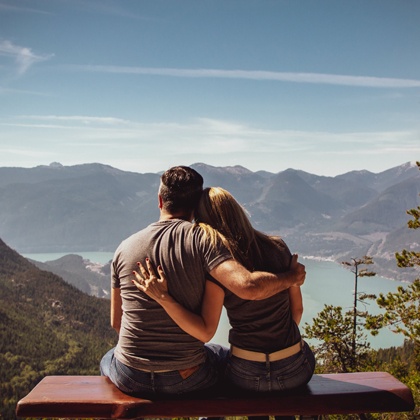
292 372
151 384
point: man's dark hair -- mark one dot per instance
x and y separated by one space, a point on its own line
181 189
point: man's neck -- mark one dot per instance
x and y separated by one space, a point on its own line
164 215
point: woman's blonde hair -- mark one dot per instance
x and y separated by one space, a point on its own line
223 218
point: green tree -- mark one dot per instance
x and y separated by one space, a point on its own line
402 313
410 258
402 308
333 331
358 272
342 343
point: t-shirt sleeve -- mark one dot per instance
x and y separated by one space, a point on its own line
212 255
115 280
284 254
213 280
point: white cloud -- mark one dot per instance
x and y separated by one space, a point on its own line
206 138
23 56
314 78
75 118
7 91
19 9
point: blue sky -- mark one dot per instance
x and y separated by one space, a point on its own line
326 86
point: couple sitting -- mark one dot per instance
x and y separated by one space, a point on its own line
163 320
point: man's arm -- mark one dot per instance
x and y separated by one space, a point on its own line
259 284
116 309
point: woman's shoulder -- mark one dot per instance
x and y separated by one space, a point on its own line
275 254
275 243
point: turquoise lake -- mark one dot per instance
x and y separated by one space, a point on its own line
326 283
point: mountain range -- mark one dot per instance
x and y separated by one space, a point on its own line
92 207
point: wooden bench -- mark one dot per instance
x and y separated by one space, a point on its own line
97 397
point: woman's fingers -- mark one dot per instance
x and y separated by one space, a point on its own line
152 272
162 277
143 271
154 285
138 282
138 277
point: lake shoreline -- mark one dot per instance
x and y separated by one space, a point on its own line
327 283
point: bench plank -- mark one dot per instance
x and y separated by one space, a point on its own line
97 397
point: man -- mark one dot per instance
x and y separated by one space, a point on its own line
153 355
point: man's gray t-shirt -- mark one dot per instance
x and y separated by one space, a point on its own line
149 339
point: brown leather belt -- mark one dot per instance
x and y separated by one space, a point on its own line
255 356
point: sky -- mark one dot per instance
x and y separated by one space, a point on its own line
324 86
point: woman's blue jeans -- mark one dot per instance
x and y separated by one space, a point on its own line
151 384
292 372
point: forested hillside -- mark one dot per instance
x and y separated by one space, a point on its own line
47 328
91 278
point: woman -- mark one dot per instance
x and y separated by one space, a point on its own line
267 351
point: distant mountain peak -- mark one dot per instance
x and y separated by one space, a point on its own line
55 165
233 170
408 166
238 170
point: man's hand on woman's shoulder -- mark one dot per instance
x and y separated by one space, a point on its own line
297 272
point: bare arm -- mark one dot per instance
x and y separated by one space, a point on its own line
296 304
257 285
203 326
116 309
